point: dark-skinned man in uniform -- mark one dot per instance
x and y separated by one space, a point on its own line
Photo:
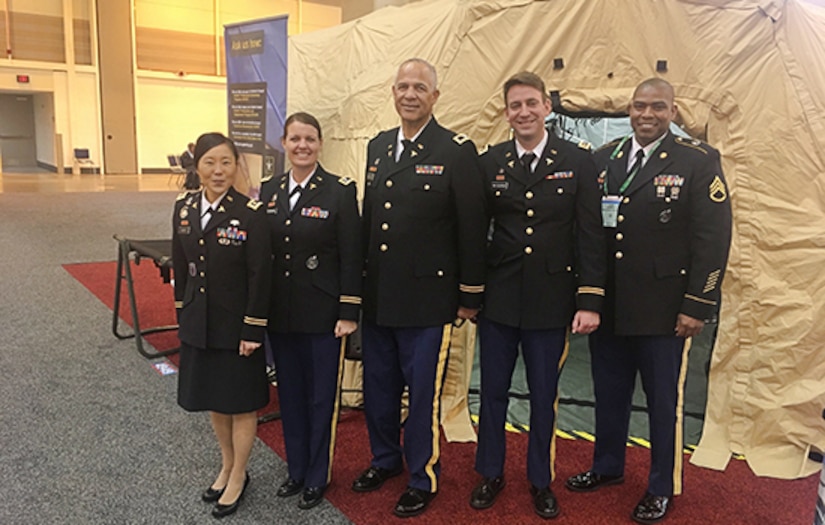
667 218
545 273
424 232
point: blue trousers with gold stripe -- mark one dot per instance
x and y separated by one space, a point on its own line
309 373
417 358
662 363
544 354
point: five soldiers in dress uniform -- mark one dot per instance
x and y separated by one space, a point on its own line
629 246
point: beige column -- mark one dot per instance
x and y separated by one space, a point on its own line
117 90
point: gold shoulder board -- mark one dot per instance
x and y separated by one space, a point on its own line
181 196
254 204
484 149
461 138
266 179
346 181
586 146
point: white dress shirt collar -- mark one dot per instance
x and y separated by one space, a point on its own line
538 151
399 144
635 146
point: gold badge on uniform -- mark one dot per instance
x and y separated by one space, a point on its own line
718 192
184 212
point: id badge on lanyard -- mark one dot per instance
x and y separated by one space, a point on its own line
610 203
610 210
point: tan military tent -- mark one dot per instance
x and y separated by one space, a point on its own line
749 78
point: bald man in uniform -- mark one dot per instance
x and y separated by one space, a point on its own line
424 230
667 218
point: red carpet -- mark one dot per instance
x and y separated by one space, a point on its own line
735 496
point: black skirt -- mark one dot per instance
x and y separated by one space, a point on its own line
221 380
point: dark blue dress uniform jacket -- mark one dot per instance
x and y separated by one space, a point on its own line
668 253
424 229
221 273
317 259
546 256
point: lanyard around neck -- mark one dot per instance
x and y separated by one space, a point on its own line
631 175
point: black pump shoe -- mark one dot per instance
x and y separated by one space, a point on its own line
221 510
211 495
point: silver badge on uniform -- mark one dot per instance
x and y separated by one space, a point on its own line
665 216
184 213
312 262
193 270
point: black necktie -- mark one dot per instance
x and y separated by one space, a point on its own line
637 164
527 162
295 191
207 214
406 149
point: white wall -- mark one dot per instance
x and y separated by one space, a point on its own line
44 127
84 117
172 112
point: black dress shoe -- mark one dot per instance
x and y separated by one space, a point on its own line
211 495
651 509
372 478
413 502
484 495
222 510
290 487
590 481
311 497
544 502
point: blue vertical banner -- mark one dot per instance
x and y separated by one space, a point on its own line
256 83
